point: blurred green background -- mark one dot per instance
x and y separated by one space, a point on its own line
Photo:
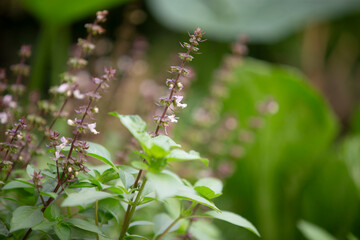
303 161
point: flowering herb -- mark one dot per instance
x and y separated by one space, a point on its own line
102 201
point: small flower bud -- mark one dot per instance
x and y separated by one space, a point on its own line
179 86
69 169
70 122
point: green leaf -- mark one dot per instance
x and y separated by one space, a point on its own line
30 170
139 165
50 194
227 19
209 187
3 229
137 128
163 221
289 147
62 231
18 183
204 230
133 236
234 219
161 146
96 151
109 175
84 197
164 184
101 153
112 206
165 142
190 194
52 212
140 223
180 155
313 232
44 226
85 225
82 185
352 237
60 12
25 217
126 178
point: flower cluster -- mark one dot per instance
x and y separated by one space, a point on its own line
175 85
8 103
69 165
13 146
69 87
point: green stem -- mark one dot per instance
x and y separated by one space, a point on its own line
130 214
169 228
97 217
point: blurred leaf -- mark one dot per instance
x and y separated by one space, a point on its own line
101 153
112 206
126 177
3 229
141 223
85 196
85 225
30 170
313 232
204 230
25 217
18 183
163 221
62 231
165 184
181 155
209 187
52 212
61 12
234 219
350 153
285 150
261 21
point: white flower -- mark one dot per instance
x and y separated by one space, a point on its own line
92 127
63 88
70 122
78 95
57 155
178 103
3 117
172 118
63 144
7 101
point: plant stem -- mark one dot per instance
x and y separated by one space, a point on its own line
171 93
129 214
186 236
169 228
97 217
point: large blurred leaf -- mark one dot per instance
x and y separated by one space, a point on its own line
313 232
267 185
61 12
350 154
261 20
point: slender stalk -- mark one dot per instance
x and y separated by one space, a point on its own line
128 215
169 228
186 236
131 212
97 217
171 93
